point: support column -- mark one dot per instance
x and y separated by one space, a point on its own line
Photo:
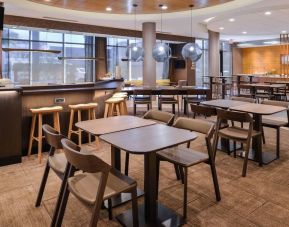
149 64
214 53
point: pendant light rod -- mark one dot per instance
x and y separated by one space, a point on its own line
191 6
161 5
135 34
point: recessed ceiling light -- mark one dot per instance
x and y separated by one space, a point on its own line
244 32
221 28
164 7
47 0
268 13
284 32
209 19
108 9
231 19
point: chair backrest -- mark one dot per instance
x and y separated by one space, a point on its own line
168 91
162 116
233 116
203 110
142 92
243 99
182 83
197 125
52 136
86 162
276 103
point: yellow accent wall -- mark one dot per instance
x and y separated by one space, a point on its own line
261 59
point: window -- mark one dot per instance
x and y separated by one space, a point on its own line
35 68
227 58
202 69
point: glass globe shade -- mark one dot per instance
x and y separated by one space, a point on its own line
161 52
134 52
192 51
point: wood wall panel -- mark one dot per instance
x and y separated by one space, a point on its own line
261 60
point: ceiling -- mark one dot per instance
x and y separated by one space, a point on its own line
249 16
126 6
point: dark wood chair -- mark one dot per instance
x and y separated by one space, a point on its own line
277 120
168 96
98 182
159 117
142 97
185 157
192 98
280 94
56 162
235 133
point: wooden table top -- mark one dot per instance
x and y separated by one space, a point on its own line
261 85
102 126
260 109
165 88
148 139
223 103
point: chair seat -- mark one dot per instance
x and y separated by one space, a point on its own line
142 100
278 119
223 125
167 100
237 133
183 156
84 106
114 100
46 110
84 186
58 162
194 99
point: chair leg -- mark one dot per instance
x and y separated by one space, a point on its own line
278 142
126 163
134 207
263 135
215 179
181 169
185 194
79 130
245 161
110 216
39 138
174 109
158 176
148 107
134 109
32 133
42 185
235 148
177 172
70 123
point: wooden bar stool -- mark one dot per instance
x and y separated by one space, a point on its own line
90 107
115 106
39 112
124 96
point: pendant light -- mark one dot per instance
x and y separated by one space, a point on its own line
161 51
134 52
192 50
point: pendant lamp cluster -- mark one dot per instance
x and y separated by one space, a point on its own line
161 51
192 50
134 52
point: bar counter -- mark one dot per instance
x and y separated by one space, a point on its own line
15 115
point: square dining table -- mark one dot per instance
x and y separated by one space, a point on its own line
148 141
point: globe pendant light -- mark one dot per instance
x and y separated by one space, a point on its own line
192 50
134 52
161 51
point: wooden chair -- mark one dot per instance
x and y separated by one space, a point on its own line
277 120
243 99
39 113
142 97
167 96
159 117
192 98
56 162
280 94
79 108
185 157
98 182
235 133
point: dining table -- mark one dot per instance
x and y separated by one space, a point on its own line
257 110
254 87
148 141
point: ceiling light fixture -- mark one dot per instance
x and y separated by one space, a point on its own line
221 28
108 9
133 51
164 7
192 50
244 32
161 51
231 19
268 13
209 19
284 32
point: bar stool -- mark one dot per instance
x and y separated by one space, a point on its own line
39 112
124 96
90 107
114 105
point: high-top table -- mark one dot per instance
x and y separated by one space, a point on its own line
147 141
103 126
223 83
258 110
264 86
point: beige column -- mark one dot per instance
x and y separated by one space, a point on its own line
214 53
149 64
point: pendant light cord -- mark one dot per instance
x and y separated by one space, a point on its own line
135 5
191 6
161 20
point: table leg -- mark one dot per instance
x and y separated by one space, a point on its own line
238 84
116 158
223 88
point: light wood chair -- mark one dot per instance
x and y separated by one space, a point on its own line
124 96
98 182
39 113
56 162
79 108
277 120
236 133
115 106
159 117
186 157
